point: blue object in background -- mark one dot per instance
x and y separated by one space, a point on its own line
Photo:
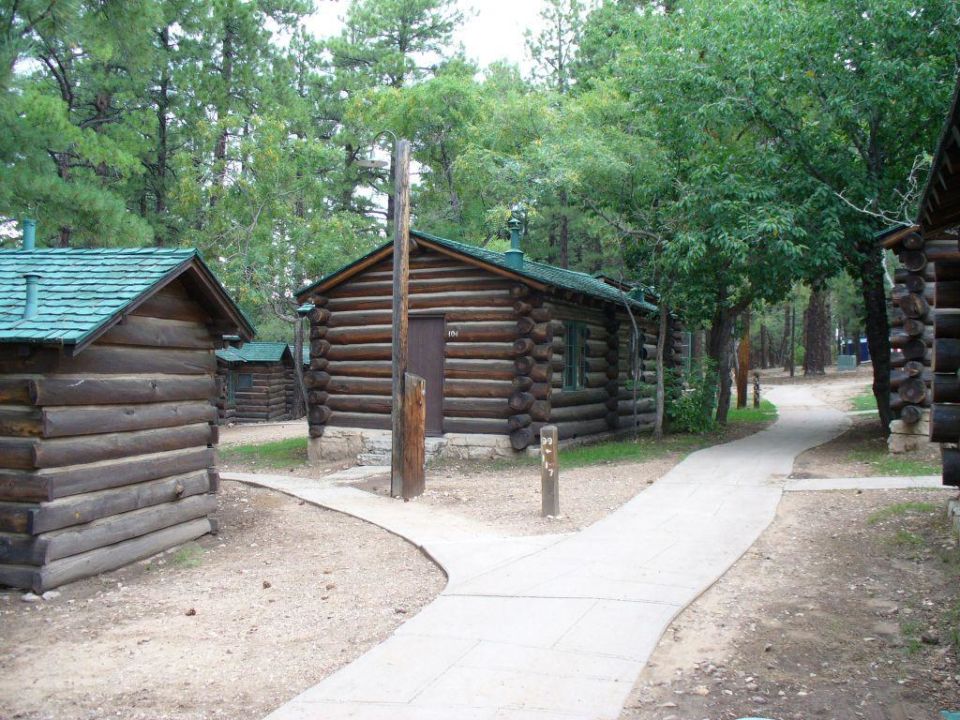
950 715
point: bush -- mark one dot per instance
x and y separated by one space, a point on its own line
695 398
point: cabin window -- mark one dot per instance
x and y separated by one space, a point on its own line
574 356
231 387
244 381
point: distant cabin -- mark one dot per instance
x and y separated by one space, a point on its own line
925 332
503 349
255 382
107 420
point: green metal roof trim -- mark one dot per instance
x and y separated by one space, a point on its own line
255 352
82 291
540 272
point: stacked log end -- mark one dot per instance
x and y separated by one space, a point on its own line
912 336
529 402
316 378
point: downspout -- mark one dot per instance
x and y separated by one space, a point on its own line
29 234
33 288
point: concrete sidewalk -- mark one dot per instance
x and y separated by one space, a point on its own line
559 627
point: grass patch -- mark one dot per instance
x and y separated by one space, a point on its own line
904 508
905 538
767 412
865 401
887 464
189 556
276 454
645 448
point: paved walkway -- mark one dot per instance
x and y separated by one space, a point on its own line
558 627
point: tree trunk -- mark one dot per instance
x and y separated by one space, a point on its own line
720 349
877 330
300 405
661 369
743 362
816 334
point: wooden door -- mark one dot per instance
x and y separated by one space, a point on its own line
426 360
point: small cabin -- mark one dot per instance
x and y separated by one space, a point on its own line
504 346
255 382
925 332
107 415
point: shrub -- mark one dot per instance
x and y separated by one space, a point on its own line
694 397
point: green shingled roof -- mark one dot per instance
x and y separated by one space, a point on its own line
540 272
81 291
255 352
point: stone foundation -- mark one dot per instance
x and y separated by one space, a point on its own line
372 447
906 438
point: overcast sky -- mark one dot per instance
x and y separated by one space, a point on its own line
492 31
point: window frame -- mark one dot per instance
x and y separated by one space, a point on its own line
574 355
244 381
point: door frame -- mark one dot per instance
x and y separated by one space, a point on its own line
443 374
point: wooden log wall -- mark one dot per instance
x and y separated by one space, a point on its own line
503 354
912 331
226 405
267 398
101 461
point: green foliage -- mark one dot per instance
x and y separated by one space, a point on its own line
883 463
189 556
695 398
766 413
277 454
865 401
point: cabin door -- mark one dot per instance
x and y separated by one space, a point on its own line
426 350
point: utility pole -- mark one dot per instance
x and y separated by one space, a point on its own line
401 306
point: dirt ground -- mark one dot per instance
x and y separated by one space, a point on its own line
251 433
228 627
839 611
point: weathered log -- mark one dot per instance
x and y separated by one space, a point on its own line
97 419
944 270
581 428
944 423
478 350
612 372
414 430
93 448
946 324
946 388
482 332
522 382
113 360
542 353
522 346
596 380
520 402
63 482
541 373
103 559
913 348
318 332
916 328
158 332
542 332
946 355
477 407
613 420
913 241
898 376
900 274
515 422
316 380
360 420
363 318
319 414
914 306
541 390
370 351
357 335
486 426
478 388
947 294
525 325
424 301
519 291
318 397
913 260
316 431
372 368
521 307
913 390
540 314
319 315
951 466
578 412
911 414
87 507
479 369
521 438
936 251
358 404
524 365
478 282
644 405
540 410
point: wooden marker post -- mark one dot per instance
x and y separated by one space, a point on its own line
414 425
756 390
401 304
549 471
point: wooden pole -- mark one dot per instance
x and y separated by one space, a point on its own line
414 425
401 301
793 338
549 471
743 362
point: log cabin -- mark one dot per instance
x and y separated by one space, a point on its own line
504 343
925 322
107 421
255 382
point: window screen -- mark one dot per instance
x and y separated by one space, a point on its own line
244 381
574 356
